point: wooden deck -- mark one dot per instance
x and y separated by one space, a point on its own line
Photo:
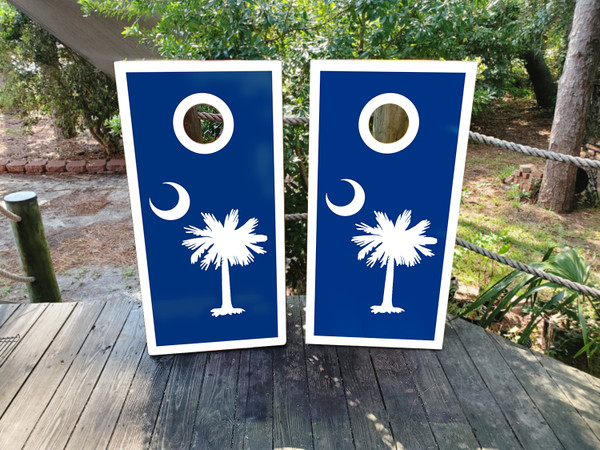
79 377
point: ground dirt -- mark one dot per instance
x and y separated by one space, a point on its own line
87 218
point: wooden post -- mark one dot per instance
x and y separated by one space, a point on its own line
390 123
193 125
32 246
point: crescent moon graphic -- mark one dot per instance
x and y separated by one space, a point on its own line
180 209
354 206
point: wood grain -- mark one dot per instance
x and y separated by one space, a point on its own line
35 394
368 417
62 413
32 346
80 376
100 415
528 424
478 404
136 422
215 413
408 418
291 409
254 408
561 416
444 412
177 414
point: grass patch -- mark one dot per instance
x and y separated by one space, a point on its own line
495 219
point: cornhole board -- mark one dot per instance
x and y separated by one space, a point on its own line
383 215
208 216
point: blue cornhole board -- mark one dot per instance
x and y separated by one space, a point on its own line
208 217
383 216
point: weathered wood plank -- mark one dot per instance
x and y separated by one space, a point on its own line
20 418
215 414
368 417
100 415
175 422
6 310
328 410
576 386
14 329
478 404
525 419
444 412
408 419
34 342
62 413
136 423
254 409
562 417
291 409
108 391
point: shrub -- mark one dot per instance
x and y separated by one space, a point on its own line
541 299
43 76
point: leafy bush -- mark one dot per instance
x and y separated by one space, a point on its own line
541 299
42 75
494 34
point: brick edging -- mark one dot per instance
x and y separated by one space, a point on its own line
39 166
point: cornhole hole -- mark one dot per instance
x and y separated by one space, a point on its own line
383 213
207 202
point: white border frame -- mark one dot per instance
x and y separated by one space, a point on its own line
470 71
369 109
122 68
189 143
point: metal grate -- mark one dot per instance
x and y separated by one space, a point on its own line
6 346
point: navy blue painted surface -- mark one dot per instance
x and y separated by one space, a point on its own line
240 176
418 178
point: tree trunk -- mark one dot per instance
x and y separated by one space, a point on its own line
390 123
572 104
193 125
544 86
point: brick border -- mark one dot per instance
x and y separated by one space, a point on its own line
39 166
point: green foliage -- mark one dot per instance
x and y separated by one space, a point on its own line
42 75
541 299
492 33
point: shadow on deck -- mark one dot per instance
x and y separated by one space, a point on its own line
80 377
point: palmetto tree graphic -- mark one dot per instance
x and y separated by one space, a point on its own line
393 245
223 245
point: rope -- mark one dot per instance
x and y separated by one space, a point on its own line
561 157
476 137
6 213
299 216
286 120
577 161
295 120
210 116
14 277
586 290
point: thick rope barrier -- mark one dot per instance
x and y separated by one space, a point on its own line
586 290
532 151
476 137
6 213
18 278
298 216
480 138
289 120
